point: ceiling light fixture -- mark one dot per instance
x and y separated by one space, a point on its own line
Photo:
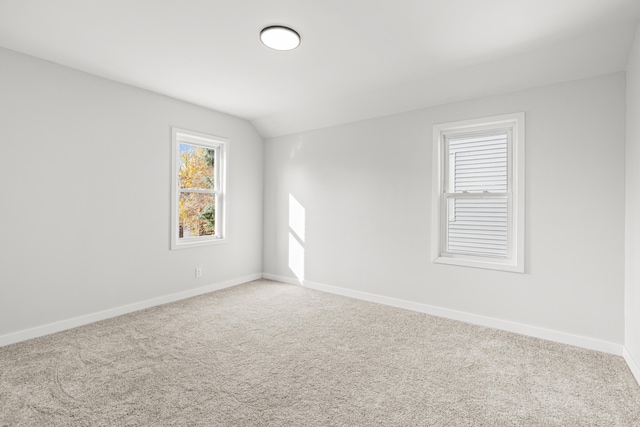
279 37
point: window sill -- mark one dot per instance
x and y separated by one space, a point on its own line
197 243
464 262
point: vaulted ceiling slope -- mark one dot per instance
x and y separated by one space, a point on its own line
358 58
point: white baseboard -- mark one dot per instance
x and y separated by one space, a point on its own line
62 325
631 362
533 331
561 337
283 279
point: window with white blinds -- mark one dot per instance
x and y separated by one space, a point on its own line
479 193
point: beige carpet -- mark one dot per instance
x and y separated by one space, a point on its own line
270 354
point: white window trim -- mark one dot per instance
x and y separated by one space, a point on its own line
221 145
516 123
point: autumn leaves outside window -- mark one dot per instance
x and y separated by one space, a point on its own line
196 209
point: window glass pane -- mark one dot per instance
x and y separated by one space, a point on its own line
477 226
478 163
196 167
196 215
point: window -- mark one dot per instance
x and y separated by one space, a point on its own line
478 193
197 189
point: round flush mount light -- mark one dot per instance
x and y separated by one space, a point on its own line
279 37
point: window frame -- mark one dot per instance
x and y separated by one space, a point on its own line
220 146
514 124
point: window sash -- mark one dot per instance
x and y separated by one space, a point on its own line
216 184
449 161
491 229
197 190
217 200
485 150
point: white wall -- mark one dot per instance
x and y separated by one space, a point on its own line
632 266
84 203
365 193
85 193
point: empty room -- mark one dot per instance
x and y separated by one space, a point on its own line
336 213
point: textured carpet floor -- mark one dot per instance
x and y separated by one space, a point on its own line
270 354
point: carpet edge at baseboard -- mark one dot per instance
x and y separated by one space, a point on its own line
631 363
74 322
505 325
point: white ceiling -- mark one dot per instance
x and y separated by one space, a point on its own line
358 58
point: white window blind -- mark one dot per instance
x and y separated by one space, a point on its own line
478 195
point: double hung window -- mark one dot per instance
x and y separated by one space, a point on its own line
198 189
479 193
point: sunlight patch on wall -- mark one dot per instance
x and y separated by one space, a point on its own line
296 237
296 257
296 217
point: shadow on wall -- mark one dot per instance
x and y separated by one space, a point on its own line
296 238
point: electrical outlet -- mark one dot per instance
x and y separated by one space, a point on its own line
198 272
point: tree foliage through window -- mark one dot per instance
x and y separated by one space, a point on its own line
196 209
